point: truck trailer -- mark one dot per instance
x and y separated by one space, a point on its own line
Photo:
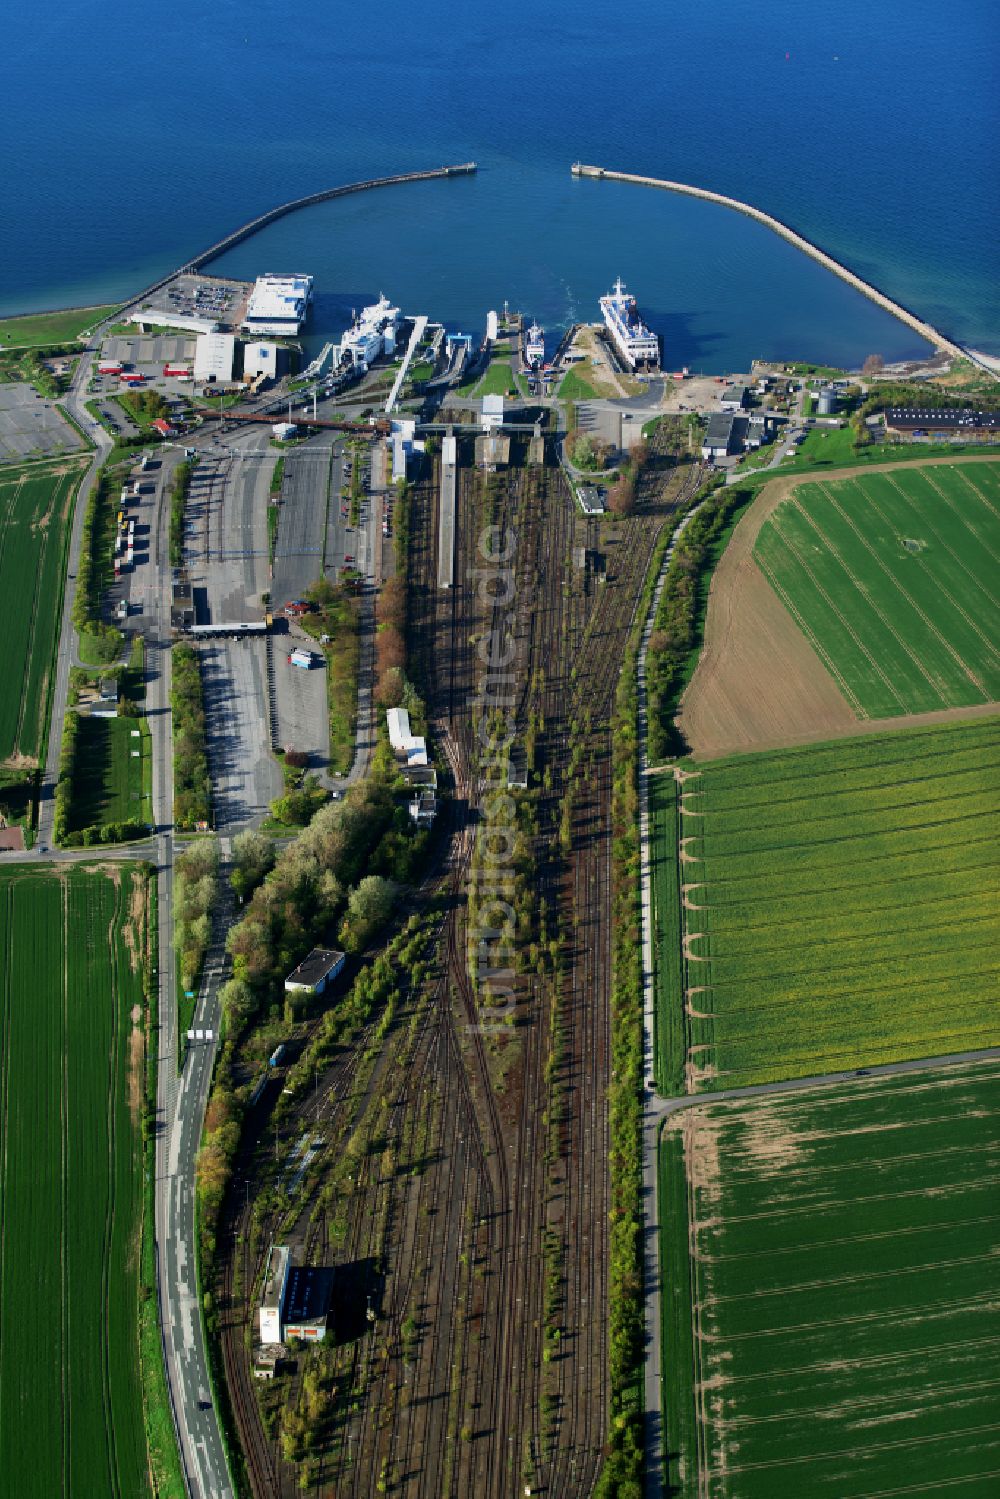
301 658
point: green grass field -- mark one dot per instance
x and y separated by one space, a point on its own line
842 904
830 1312
71 1098
833 447
110 784
576 387
39 328
36 508
893 579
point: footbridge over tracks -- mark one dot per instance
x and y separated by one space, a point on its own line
380 427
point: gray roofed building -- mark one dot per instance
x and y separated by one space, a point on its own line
315 971
913 418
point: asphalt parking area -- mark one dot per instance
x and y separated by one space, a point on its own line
32 426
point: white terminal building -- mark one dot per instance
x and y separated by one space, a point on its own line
215 354
373 333
261 359
278 305
638 345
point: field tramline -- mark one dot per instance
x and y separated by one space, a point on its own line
839 904
71 1089
36 503
830 1320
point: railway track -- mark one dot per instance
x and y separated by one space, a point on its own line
470 1404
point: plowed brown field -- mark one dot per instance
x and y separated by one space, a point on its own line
759 684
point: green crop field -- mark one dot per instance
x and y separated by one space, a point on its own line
830 1317
71 1095
841 904
112 775
893 578
36 508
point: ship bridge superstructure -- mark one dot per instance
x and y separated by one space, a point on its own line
637 345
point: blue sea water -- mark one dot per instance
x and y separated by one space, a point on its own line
131 137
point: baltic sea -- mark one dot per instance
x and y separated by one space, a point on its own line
131 137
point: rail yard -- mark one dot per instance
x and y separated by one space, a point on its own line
384 669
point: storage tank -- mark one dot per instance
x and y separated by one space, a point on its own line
826 403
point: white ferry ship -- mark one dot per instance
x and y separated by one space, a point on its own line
534 347
638 346
373 333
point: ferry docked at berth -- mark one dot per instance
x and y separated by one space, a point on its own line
534 347
637 345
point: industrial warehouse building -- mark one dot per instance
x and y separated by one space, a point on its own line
308 1292
968 423
295 1301
315 972
154 317
728 432
215 355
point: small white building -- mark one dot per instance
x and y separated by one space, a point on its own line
282 431
398 723
214 357
423 808
492 413
260 359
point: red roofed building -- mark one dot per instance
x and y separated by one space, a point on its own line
164 428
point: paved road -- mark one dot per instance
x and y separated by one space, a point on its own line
67 647
180 1098
661 1108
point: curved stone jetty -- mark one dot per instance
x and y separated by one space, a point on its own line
904 315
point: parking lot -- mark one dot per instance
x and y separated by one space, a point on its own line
301 700
192 295
31 426
245 777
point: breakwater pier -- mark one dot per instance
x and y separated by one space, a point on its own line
252 226
918 325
